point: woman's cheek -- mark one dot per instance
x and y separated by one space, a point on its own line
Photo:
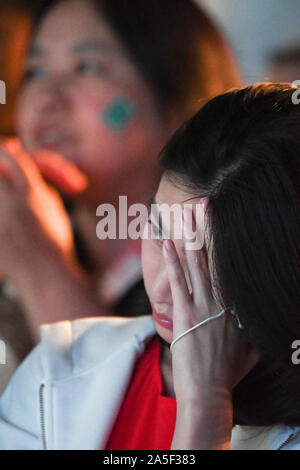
110 105
118 113
121 114
113 118
26 115
150 262
113 134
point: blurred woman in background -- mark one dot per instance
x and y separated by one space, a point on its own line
106 82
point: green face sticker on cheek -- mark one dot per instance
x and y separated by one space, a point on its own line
118 114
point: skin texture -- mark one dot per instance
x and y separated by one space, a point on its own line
206 364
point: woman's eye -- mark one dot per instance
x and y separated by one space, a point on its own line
156 231
90 67
35 73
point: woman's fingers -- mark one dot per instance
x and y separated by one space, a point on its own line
11 170
23 169
180 293
19 169
61 173
5 174
196 260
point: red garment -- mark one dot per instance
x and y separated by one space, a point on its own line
146 420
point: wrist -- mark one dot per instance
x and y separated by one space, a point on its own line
204 397
203 405
203 424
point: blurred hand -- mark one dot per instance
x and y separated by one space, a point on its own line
33 219
62 173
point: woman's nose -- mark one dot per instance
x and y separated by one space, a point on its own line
55 95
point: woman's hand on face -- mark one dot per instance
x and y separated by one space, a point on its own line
33 219
209 361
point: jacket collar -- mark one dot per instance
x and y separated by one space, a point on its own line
261 438
87 405
80 406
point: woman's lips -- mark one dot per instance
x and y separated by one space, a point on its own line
162 320
53 139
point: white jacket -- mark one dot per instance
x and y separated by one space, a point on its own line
68 391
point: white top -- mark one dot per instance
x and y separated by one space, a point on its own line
68 391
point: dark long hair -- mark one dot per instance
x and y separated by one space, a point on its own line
174 45
242 151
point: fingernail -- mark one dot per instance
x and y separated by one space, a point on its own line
168 245
204 202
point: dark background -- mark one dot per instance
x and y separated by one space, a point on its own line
15 17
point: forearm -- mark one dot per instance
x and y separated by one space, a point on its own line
54 289
203 426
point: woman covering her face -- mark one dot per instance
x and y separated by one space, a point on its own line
105 84
229 307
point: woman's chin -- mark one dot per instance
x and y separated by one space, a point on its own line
164 333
